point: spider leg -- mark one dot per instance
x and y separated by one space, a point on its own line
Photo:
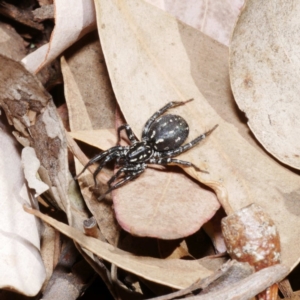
99 157
127 178
127 169
108 158
129 133
187 146
166 161
160 112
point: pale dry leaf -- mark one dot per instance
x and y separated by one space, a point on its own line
31 166
72 21
174 272
214 18
264 63
20 233
100 138
161 60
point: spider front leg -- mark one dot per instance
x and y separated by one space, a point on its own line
100 157
132 175
129 133
189 145
114 155
160 112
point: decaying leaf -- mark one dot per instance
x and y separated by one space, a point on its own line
264 64
160 62
173 272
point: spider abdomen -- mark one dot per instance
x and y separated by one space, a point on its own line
168 132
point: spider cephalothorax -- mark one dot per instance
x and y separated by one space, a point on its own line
162 139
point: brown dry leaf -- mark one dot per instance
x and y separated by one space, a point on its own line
263 67
11 43
214 18
72 21
20 233
175 273
161 60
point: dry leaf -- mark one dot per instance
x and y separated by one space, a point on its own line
11 44
248 287
214 18
20 233
100 138
174 272
263 67
177 208
160 62
71 23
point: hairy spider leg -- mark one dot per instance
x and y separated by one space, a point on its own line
187 146
105 161
166 161
159 113
127 169
129 133
99 157
122 182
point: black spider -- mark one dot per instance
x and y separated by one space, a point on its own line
162 139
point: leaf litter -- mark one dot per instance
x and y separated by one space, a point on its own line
235 190
235 167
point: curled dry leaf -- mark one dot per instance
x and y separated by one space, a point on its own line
264 65
163 60
20 233
214 18
72 21
30 109
174 272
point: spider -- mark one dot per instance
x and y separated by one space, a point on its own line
162 139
